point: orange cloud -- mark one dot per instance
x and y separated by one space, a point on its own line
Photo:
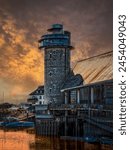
21 63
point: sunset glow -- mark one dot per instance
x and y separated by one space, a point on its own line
22 23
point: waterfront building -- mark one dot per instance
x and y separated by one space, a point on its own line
37 96
78 101
57 47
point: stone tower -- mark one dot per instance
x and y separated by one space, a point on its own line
56 45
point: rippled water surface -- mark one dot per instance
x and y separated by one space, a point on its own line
22 140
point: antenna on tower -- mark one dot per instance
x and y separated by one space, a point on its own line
3 96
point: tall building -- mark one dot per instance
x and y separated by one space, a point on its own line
83 96
57 46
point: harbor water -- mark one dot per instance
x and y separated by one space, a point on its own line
24 140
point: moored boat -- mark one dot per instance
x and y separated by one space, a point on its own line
18 124
91 139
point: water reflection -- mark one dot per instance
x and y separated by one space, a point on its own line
21 140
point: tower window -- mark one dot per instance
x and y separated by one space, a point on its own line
50 90
50 73
54 86
50 55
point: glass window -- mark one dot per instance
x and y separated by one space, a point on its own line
109 94
84 95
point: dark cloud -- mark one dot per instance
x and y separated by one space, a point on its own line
22 22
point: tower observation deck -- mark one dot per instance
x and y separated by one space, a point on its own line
57 38
57 46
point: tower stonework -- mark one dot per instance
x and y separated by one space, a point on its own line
56 45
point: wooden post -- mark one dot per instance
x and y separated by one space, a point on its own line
66 114
92 95
66 98
76 127
78 96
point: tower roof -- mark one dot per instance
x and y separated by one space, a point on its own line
57 38
56 27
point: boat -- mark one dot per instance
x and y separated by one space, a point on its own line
1 122
18 124
91 139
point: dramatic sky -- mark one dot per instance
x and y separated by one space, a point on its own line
22 22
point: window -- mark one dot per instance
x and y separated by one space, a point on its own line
54 86
40 97
109 94
97 94
41 44
50 73
84 95
40 91
73 96
50 55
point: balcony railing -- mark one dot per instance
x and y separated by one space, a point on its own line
80 107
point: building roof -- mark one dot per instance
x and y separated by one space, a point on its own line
72 81
38 91
95 69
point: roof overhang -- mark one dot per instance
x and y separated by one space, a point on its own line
87 85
